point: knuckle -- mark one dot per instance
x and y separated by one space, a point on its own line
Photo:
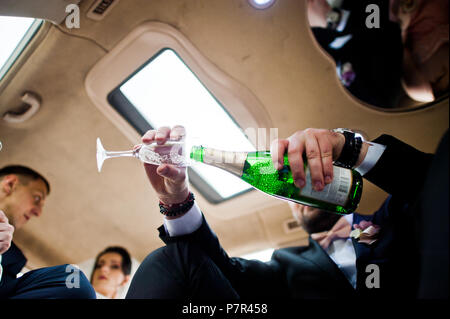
178 127
299 134
292 152
163 129
312 154
327 153
149 135
150 132
311 133
333 133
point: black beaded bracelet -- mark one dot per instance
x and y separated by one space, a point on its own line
350 151
177 209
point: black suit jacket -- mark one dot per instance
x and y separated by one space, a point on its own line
308 272
300 272
13 260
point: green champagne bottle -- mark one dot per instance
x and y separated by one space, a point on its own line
342 196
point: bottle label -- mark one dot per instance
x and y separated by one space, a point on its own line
337 192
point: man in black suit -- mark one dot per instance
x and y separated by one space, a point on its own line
193 264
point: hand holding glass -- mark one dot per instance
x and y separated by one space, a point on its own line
172 152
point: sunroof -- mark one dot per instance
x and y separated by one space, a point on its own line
166 93
15 33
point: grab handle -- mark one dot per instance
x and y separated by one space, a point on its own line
29 98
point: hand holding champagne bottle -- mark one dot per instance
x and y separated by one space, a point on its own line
320 147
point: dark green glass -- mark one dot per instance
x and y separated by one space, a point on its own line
258 170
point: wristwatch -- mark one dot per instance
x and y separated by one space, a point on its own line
352 147
333 18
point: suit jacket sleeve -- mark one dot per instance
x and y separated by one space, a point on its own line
401 170
250 278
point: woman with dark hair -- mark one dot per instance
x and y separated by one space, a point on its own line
111 272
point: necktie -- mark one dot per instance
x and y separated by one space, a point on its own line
341 229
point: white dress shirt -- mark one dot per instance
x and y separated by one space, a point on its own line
341 251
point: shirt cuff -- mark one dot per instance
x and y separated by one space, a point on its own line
374 153
186 224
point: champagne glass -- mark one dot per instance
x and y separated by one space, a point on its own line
172 152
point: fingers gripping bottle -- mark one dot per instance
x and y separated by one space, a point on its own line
341 196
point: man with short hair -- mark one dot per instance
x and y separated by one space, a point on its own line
22 197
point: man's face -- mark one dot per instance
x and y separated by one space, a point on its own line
313 220
25 201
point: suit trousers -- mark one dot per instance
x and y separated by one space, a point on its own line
180 270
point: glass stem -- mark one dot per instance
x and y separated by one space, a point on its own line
110 154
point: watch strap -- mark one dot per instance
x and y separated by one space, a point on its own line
350 152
